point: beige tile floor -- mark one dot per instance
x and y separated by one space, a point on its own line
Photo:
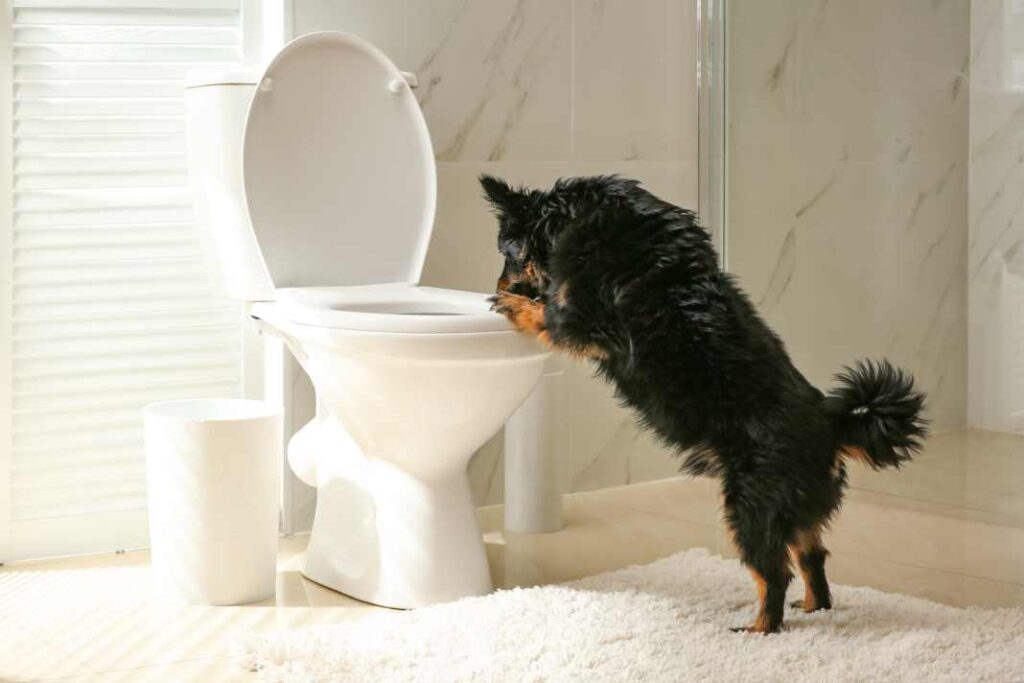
959 541
968 473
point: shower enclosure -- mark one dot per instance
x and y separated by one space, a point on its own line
864 164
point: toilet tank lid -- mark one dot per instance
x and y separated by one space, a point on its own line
222 75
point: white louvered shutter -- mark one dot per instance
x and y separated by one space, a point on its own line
110 305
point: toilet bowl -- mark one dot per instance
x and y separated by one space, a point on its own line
410 381
318 215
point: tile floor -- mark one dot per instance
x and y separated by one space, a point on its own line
950 527
968 473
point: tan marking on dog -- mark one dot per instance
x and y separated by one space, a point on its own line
526 314
505 282
528 274
761 584
806 541
837 465
591 352
562 295
529 316
809 603
760 624
855 453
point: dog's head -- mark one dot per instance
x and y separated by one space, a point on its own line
522 240
532 222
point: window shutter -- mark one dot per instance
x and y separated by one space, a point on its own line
111 308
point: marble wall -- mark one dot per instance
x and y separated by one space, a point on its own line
995 259
847 183
532 90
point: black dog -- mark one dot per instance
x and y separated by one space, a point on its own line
603 269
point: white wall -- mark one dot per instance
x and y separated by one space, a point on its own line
848 162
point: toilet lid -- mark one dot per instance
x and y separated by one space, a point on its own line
339 170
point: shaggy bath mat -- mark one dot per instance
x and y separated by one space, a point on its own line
663 622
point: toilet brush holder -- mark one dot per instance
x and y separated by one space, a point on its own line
534 472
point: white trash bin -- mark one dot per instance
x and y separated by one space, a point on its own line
213 468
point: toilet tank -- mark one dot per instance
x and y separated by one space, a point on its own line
216 107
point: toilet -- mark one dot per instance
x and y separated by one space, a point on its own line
315 188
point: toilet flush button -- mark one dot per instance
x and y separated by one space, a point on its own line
396 85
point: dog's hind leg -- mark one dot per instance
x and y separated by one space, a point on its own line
769 565
810 555
771 581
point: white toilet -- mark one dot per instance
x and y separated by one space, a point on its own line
320 215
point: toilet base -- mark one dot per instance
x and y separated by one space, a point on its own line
392 537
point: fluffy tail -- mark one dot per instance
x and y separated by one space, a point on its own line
876 413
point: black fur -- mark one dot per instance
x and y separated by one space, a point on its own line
601 268
876 409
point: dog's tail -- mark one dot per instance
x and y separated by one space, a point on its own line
876 414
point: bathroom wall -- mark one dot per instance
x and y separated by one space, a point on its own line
996 246
847 183
532 90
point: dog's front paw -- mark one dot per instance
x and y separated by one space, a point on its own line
502 302
522 311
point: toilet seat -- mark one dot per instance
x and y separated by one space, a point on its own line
340 187
396 308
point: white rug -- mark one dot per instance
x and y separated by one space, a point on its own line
663 622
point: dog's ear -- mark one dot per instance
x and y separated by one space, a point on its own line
499 193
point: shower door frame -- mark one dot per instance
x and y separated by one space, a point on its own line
711 121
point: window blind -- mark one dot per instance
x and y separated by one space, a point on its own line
110 304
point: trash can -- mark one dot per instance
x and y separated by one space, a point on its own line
213 471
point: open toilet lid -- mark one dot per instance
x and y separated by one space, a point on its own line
339 171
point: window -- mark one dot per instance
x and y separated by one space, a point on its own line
108 306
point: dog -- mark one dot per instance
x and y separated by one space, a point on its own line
602 269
